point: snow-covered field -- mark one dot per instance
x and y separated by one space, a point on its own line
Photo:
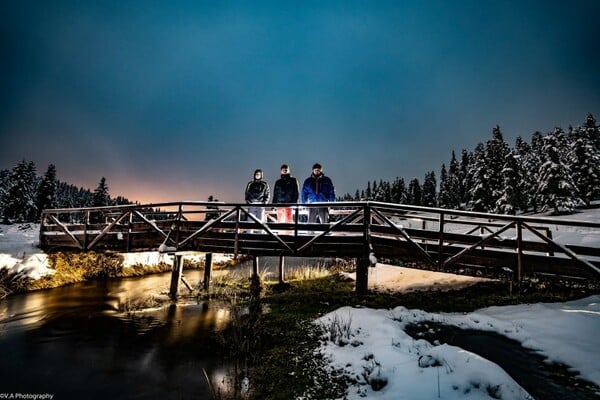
374 347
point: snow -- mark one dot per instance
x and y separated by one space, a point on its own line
377 345
19 252
371 345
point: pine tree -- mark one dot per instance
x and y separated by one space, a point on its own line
511 199
398 191
429 194
4 185
443 194
375 194
528 164
480 194
584 159
101 197
21 202
46 194
386 191
357 195
496 150
463 182
368 192
414 193
556 189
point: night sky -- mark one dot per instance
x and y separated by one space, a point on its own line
178 100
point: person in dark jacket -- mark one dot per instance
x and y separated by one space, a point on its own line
285 191
257 192
318 188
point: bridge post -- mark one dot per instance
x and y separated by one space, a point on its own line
255 279
519 251
441 243
362 263
362 275
281 269
176 276
207 270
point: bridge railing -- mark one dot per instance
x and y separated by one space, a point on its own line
431 237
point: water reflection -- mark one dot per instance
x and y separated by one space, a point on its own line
74 342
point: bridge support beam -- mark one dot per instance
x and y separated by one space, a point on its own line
207 271
255 279
281 269
176 276
362 275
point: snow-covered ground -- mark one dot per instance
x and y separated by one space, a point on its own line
373 347
19 252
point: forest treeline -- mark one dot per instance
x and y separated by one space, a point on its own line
24 194
556 172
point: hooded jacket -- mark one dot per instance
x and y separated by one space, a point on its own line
257 190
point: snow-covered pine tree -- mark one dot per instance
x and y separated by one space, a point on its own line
414 193
368 193
46 193
464 182
556 189
101 197
4 185
429 195
534 163
585 159
443 195
357 195
20 202
480 195
496 150
386 191
528 164
511 199
375 193
453 184
593 131
398 191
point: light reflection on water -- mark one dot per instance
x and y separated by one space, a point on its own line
75 342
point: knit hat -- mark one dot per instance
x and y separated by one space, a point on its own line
317 165
285 166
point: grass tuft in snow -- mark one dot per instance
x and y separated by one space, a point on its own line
338 329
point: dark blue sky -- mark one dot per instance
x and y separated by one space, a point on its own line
178 100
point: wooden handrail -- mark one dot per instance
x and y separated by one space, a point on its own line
359 226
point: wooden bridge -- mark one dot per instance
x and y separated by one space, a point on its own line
464 242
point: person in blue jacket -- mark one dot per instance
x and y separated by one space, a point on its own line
318 188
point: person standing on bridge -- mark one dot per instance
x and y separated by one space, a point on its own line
318 188
285 191
257 192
